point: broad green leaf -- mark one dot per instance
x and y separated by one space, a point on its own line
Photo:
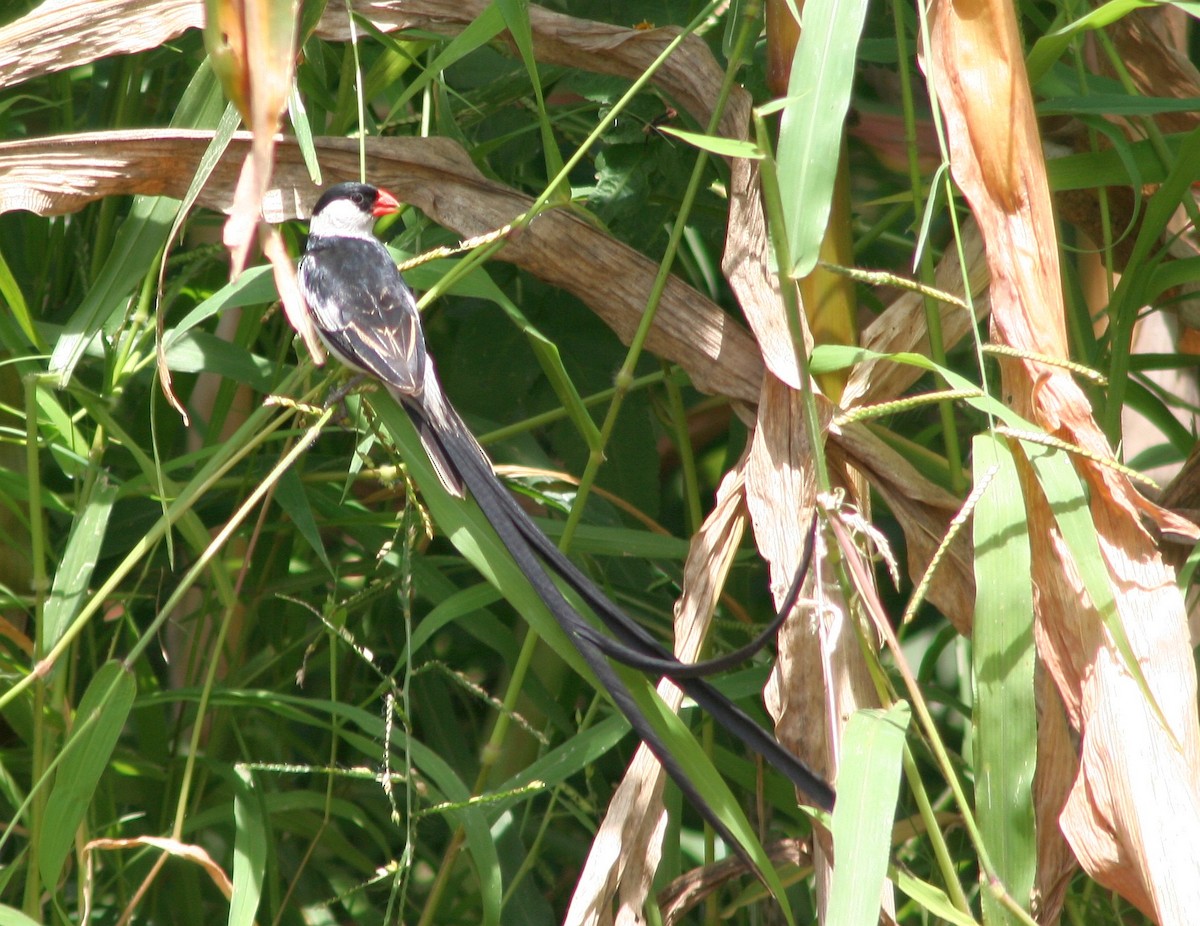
11 295
86 754
1004 720
811 131
474 822
249 851
868 787
292 498
12 917
78 562
67 442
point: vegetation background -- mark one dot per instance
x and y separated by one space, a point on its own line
254 673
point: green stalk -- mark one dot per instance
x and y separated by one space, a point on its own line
933 317
257 428
41 586
481 254
624 377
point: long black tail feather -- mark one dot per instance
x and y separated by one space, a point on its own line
632 645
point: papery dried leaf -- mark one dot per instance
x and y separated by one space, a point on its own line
1154 65
57 176
819 670
1138 785
252 44
749 266
625 853
61 34
174 848
1057 766
46 40
283 268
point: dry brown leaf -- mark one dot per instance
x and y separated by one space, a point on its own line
252 47
61 34
1057 766
174 848
820 670
780 494
46 40
1155 67
748 265
1133 815
59 175
625 853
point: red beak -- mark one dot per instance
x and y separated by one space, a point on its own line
385 204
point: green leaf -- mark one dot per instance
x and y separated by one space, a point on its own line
868 786
249 851
11 917
1004 719
516 20
474 822
811 131
68 444
1065 493
86 754
78 561
485 27
292 498
11 295
716 144
138 243
931 898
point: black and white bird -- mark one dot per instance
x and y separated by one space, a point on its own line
367 317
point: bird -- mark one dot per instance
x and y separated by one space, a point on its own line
367 317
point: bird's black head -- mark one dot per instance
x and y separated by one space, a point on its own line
366 198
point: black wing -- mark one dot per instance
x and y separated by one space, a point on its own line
364 311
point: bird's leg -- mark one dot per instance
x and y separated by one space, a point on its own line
338 394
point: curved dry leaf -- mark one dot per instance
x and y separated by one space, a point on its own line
1155 67
46 40
1133 815
780 493
252 47
625 853
59 175
174 848
1057 767
63 34
748 264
